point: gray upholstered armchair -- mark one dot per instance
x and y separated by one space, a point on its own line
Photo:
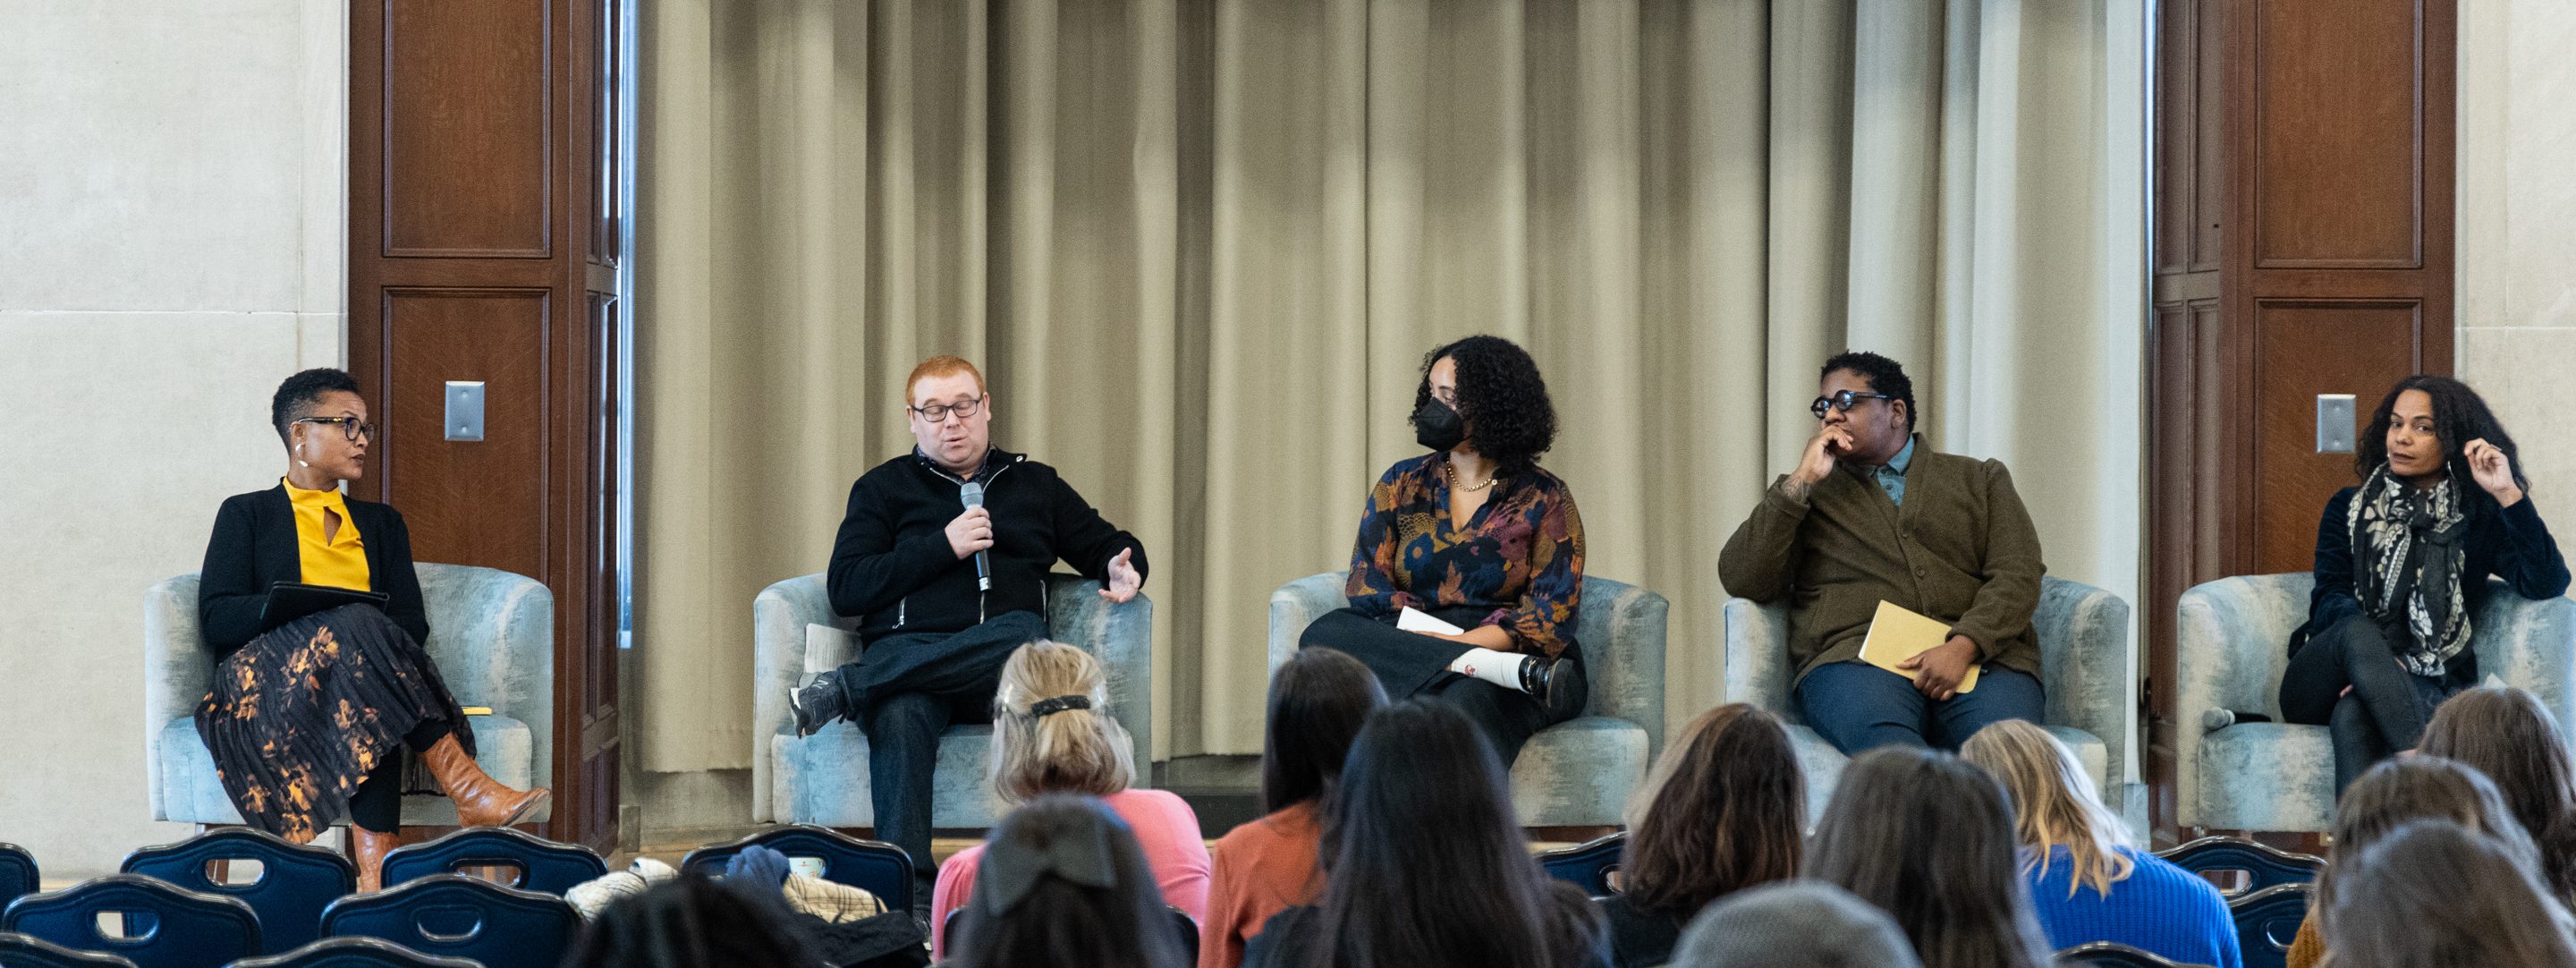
491 632
1578 773
2084 668
823 778
2232 640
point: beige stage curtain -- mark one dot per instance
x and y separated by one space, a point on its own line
1201 247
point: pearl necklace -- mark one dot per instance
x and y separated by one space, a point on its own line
1451 470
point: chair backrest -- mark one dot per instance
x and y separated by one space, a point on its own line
542 865
1121 635
26 951
291 886
1587 865
491 632
161 926
462 917
17 873
354 953
2261 865
878 868
2112 954
2267 921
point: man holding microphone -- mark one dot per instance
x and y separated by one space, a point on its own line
943 557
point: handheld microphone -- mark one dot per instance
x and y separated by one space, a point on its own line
972 495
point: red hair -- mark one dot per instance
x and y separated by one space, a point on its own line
939 366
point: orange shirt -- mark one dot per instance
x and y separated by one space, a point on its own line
1261 868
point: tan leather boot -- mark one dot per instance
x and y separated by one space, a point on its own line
369 848
481 801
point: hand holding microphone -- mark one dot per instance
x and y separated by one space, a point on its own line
971 533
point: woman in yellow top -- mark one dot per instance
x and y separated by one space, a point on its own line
307 720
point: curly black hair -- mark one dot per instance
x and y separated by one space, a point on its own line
1884 375
2459 416
1502 398
297 396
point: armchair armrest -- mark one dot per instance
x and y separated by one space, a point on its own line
1757 658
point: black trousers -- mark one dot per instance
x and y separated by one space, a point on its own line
903 692
2387 708
1408 664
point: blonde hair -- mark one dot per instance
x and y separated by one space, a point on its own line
2054 803
1065 751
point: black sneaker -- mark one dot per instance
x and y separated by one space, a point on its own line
817 703
1560 685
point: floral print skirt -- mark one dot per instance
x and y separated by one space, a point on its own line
300 716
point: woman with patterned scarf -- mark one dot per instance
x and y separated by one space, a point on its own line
2402 567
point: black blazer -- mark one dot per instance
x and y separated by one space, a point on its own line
2509 543
255 546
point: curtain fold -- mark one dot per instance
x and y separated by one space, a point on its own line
1200 248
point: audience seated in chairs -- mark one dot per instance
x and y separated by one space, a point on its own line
1794 924
2506 734
1063 882
2386 798
2088 881
1425 865
693 922
1722 811
2433 894
1053 733
1318 700
1929 839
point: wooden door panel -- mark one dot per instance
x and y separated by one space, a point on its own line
468 136
2302 349
478 501
2339 134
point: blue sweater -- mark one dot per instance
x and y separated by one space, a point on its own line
2158 907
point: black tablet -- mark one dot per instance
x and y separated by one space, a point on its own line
288 601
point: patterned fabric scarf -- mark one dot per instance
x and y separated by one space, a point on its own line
2407 550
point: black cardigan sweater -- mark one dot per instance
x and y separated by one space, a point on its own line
2508 542
255 546
892 567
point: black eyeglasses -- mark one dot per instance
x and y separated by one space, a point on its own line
1843 401
349 426
938 412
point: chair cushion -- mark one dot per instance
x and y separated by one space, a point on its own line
2267 776
822 779
191 793
1824 764
1579 773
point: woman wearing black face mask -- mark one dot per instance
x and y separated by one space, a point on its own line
1476 535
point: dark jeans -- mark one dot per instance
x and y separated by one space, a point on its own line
1408 664
2388 706
903 692
377 805
1857 706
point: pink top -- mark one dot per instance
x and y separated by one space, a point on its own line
1164 825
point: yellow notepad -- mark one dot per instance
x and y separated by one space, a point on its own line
1897 633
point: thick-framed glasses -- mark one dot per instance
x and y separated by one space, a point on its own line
350 427
1843 401
938 412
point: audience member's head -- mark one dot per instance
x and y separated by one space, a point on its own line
1793 924
2400 791
1318 700
2506 734
2054 803
1052 732
1721 811
693 922
1425 860
1929 839
1062 882
2434 894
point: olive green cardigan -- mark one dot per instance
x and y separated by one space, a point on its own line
1961 549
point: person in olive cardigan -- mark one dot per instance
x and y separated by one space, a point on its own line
1871 515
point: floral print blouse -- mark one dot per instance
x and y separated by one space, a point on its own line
1521 555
